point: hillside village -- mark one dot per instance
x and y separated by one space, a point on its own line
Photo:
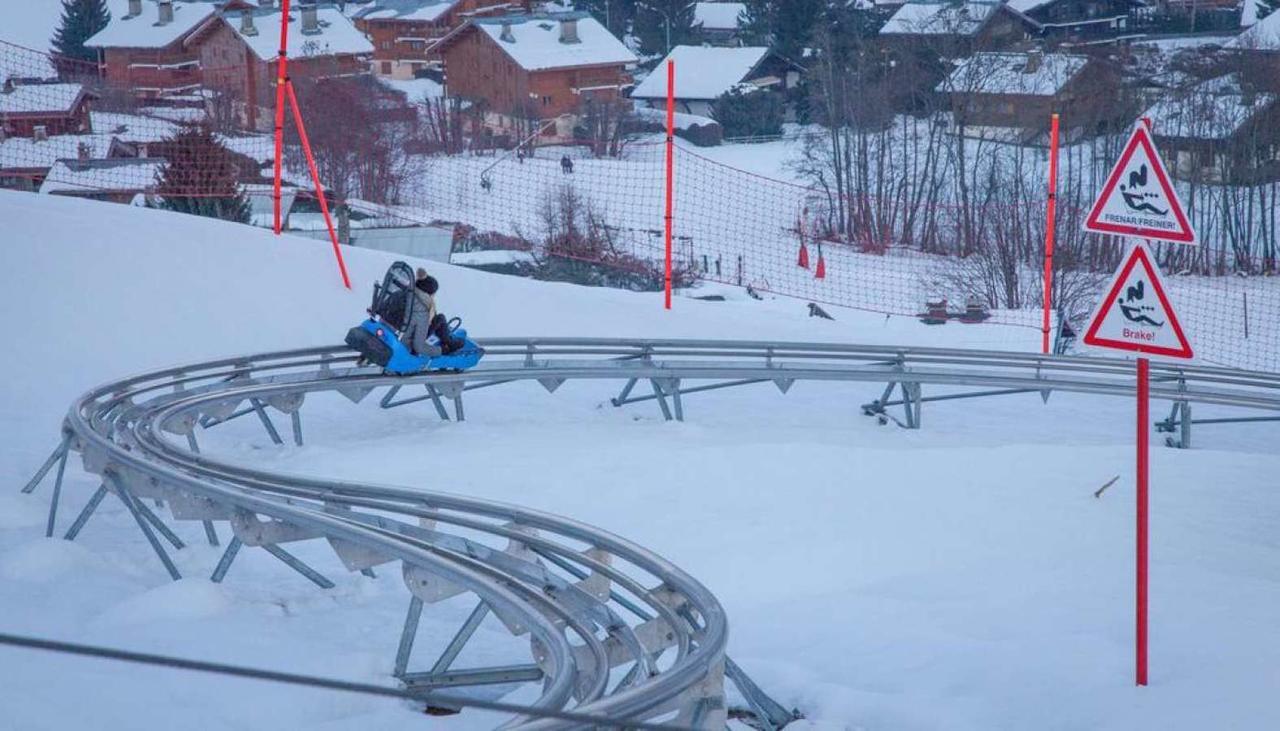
905 123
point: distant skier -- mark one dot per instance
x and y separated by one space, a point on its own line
425 321
566 165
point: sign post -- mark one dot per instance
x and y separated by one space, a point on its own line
1135 315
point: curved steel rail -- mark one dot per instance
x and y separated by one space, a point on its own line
591 602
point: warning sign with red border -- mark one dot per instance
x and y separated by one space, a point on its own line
1136 315
1138 199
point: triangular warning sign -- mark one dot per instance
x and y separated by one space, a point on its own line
1138 199
1135 314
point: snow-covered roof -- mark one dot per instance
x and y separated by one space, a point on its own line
87 176
1264 35
702 72
1212 110
145 31
17 62
1026 6
1023 74
25 153
536 41
940 17
718 16
337 35
41 99
133 128
428 10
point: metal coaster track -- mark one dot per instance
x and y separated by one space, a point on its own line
615 631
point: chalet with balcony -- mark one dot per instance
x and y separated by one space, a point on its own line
1011 96
44 110
1080 21
239 53
535 71
1224 130
403 32
149 51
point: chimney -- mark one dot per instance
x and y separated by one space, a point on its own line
135 9
1035 59
267 4
310 20
39 133
569 31
246 23
506 32
166 12
83 152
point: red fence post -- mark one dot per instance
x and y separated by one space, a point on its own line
1144 384
671 122
282 63
315 179
1049 232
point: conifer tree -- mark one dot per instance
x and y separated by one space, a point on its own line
202 177
81 19
656 20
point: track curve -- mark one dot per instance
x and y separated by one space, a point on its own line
593 604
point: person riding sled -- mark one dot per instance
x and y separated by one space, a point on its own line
425 321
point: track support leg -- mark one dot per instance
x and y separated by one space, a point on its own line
661 398
192 443
460 639
296 419
78 524
911 404
210 533
224 563
57 492
407 635
136 508
58 454
266 421
159 525
626 391
435 400
294 563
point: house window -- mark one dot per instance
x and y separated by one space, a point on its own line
386 68
546 101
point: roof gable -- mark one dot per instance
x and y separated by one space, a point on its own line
337 35
1020 74
535 43
702 72
145 31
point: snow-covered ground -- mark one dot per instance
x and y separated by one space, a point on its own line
961 576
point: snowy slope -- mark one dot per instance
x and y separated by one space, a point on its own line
960 577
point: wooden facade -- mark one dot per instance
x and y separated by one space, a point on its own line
404 46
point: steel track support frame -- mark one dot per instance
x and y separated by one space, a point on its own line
59 454
85 513
57 490
768 712
224 563
295 563
266 421
407 636
500 675
433 394
295 420
138 510
460 639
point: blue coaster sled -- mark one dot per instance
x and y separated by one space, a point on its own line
378 339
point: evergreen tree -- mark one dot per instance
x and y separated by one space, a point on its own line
752 113
658 20
81 19
202 177
616 15
784 25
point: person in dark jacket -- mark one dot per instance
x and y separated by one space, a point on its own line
424 320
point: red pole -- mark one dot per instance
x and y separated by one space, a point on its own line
282 63
671 125
315 179
1049 232
1144 370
